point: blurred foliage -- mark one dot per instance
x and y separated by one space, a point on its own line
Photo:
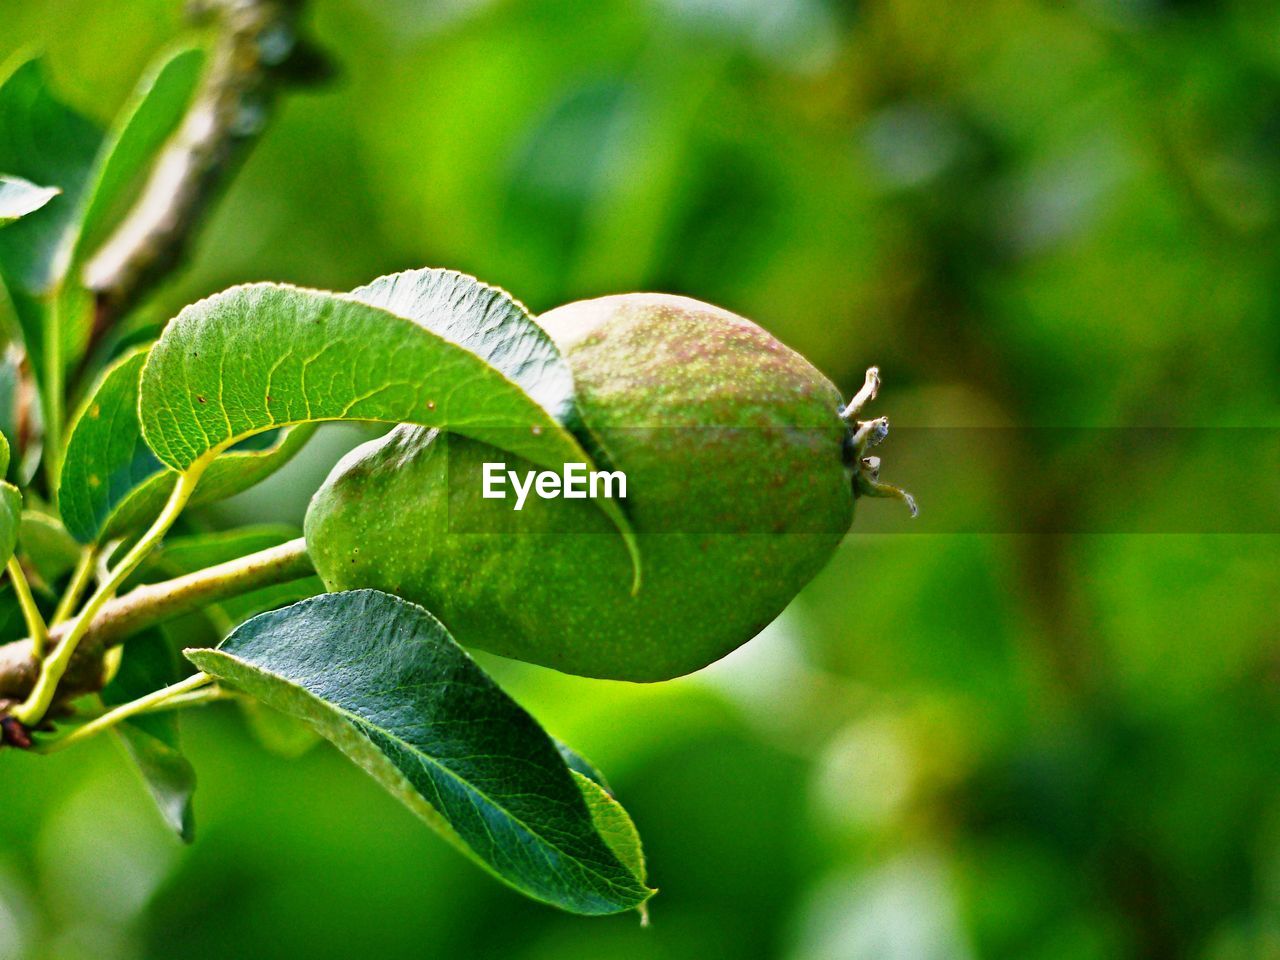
952 746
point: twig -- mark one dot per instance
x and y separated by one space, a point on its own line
147 606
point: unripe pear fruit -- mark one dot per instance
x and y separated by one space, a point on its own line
742 465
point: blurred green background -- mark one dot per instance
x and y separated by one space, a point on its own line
951 746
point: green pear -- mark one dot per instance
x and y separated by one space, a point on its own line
741 467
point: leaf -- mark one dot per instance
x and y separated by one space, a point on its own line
233 472
614 824
126 154
484 320
266 355
47 545
106 458
10 514
151 740
184 554
142 128
10 395
10 507
112 482
43 141
306 355
13 625
581 765
383 680
19 197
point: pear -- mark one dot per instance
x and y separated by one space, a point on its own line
742 465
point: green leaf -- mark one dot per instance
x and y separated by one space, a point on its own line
43 141
581 765
106 458
383 680
19 197
151 740
195 551
13 625
485 320
141 129
46 142
111 481
10 516
10 507
266 355
125 156
614 824
48 546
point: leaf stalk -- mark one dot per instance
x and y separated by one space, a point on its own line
156 700
33 709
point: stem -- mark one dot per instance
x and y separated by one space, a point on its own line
152 701
30 612
33 709
75 588
149 605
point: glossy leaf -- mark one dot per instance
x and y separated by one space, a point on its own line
20 197
127 153
111 481
383 680
106 458
151 740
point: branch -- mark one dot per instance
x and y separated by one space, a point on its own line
147 606
257 51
